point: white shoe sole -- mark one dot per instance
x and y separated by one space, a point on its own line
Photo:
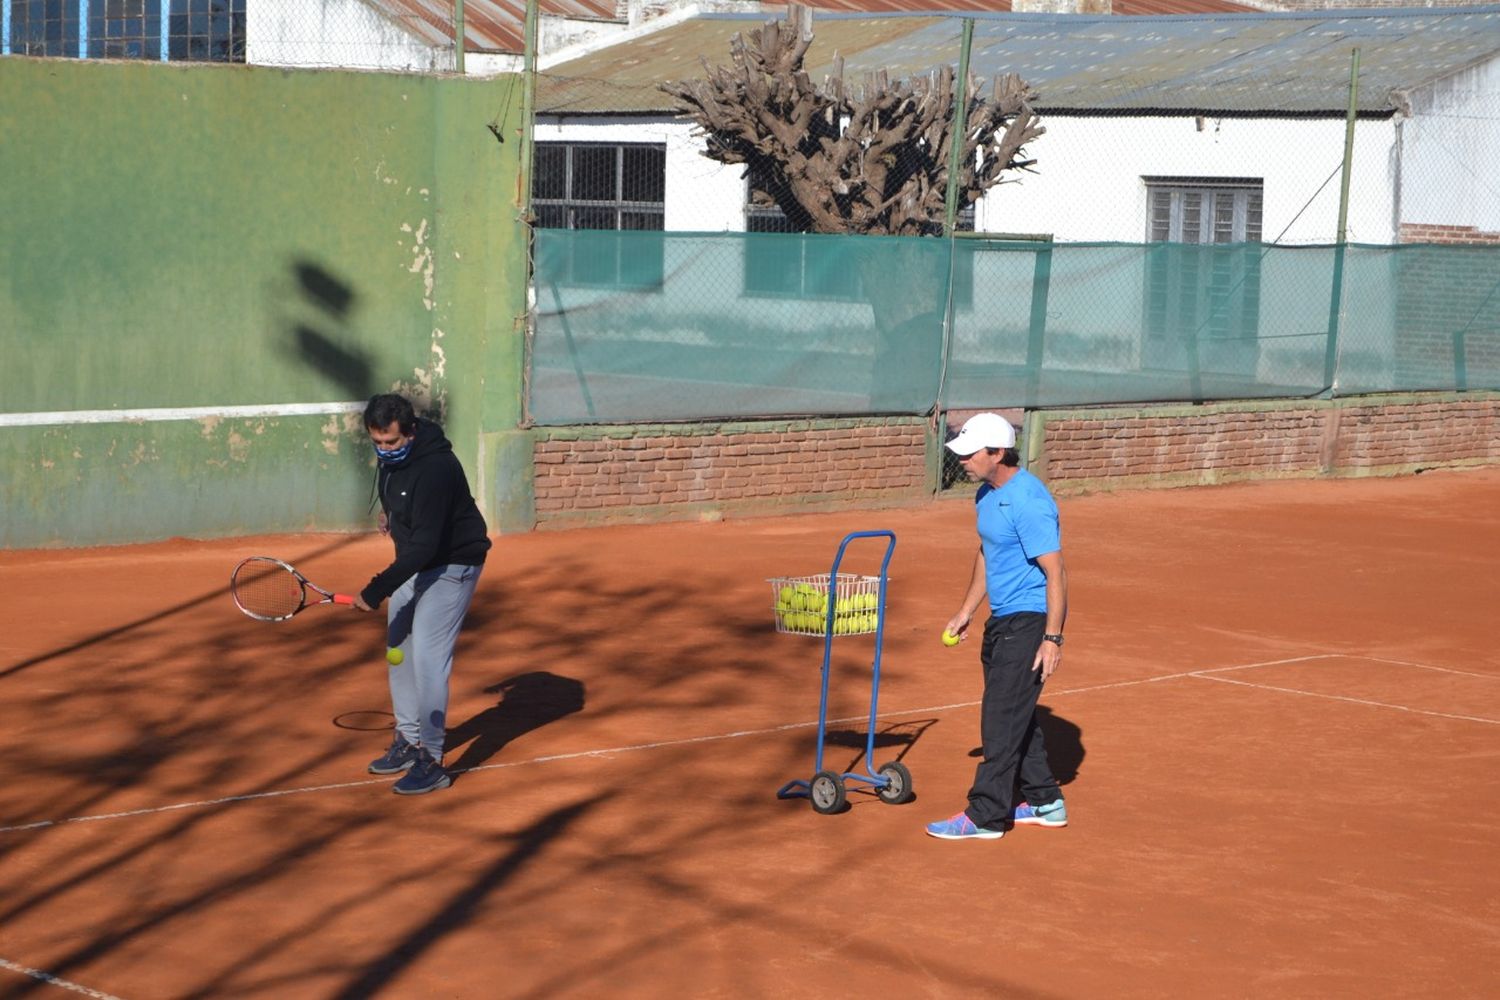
982 835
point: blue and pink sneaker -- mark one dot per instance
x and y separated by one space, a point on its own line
961 827
1052 814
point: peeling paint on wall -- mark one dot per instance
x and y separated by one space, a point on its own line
422 262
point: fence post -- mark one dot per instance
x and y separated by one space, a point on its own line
1335 299
458 36
1036 334
960 126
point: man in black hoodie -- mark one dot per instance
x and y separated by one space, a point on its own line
441 541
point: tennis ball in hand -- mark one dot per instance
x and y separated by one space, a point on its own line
394 656
950 638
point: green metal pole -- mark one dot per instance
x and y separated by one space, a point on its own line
1335 299
950 213
1348 146
458 36
960 126
528 111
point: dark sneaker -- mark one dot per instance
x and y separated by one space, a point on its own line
426 775
1053 814
399 756
961 827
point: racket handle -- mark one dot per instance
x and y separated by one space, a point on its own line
344 599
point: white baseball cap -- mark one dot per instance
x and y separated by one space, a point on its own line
983 430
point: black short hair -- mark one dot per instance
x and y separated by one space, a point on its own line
388 408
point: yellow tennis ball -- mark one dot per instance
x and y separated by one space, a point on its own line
950 639
394 656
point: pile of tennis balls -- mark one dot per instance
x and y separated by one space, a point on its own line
803 607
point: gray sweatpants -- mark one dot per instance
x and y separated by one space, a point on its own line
423 619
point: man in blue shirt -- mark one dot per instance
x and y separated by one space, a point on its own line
1020 566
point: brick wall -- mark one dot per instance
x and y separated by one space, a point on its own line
1417 232
1447 312
669 472
586 475
1187 445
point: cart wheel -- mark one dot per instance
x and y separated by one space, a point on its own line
827 792
897 787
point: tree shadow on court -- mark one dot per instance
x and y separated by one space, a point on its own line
1064 744
200 703
322 337
528 701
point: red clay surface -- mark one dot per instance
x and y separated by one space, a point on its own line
1278 721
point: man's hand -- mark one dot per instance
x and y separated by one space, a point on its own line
360 605
958 625
1048 657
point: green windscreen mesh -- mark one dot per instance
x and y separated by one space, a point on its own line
645 326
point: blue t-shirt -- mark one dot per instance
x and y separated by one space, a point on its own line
1017 523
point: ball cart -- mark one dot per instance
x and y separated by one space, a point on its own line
837 605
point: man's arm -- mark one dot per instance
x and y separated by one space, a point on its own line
958 624
1049 654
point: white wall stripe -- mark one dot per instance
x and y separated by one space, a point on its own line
56 418
52 980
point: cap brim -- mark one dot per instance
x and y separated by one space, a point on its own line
962 446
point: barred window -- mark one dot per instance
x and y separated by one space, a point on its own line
1212 293
619 186
1204 209
179 30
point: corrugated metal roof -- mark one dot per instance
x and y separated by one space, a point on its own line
1294 64
499 25
1118 7
489 25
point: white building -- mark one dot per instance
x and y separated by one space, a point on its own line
1188 131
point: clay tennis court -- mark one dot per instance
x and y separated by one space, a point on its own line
1277 717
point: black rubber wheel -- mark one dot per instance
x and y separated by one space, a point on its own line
826 792
897 788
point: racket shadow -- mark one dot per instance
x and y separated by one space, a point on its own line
528 701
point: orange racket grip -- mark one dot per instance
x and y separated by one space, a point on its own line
344 599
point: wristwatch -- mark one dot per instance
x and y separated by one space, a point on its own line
1053 638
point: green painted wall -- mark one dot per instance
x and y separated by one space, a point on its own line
207 236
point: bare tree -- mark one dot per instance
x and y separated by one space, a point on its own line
836 159
872 159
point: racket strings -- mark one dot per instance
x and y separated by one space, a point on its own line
267 590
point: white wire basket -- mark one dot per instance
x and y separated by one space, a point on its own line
800 604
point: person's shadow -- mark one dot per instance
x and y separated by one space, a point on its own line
528 701
1064 745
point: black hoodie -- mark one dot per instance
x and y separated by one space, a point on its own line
432 515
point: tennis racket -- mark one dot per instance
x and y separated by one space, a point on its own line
269 590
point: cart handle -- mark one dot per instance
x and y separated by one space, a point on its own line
833 576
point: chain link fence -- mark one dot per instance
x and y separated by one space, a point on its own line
1141 258
394 35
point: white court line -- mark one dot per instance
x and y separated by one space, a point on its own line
1352 701
1424 666
632 748
52 980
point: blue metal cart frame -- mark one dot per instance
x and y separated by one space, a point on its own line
891 781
